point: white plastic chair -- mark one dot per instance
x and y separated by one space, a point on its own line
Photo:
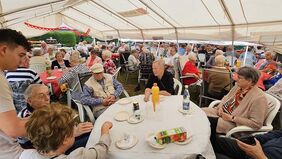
177 83
115 75
273 107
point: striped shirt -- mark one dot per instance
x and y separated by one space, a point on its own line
19 80
23 74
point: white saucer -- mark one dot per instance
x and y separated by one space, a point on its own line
122 144
152 141
133 120
187 141
60 70
51 77
185 112
121 116
124 101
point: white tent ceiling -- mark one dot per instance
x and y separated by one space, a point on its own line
244 20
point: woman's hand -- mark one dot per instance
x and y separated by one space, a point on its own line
226 117
83 128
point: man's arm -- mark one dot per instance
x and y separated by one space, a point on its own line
87 97
118 88
11 125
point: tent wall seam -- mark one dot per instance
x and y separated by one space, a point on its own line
141 31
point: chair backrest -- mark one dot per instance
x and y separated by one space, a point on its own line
83 77
115 75
177 84
202 57
273 108
38 67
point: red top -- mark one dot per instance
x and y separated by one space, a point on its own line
189 68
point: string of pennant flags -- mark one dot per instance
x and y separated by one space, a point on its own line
59 28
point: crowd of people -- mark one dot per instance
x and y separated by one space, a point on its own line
28 120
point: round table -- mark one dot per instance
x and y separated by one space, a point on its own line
54 82
166 117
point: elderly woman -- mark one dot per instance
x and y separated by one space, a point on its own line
245 104
190 69
211 61
218 79
93 58
133 61
70 77
60 62
109 65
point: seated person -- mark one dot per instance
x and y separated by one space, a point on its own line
267 145
101 90
109 65
94 58
60 62
190 69
51 131
37 97
245 104
37 60
70 77
19 81
133 61
218 79
276 89
211 61
163 78
269 65
274 79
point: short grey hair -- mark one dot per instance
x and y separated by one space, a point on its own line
28 92
160 63
75 57
192 56
107 53
218 52
36 52
219 60
249 73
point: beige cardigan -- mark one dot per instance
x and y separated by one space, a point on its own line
251 111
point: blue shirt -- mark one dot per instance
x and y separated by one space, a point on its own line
250 59
87 96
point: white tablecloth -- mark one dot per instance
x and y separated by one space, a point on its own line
167 117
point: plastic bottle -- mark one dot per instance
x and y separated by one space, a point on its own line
186 100
155 95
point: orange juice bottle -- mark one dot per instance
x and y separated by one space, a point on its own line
238 63
155 95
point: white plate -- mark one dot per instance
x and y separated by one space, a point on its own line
187 141
60 70
122 144
124 101
133 120
185 112
152 141
121 116
51 77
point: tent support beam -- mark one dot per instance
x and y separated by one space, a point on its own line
141 31
94 18
31 7
79 22
1 18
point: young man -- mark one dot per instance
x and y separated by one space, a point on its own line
13 47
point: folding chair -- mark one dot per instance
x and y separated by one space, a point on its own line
115 75
204 86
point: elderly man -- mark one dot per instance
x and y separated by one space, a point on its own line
13 47
163 78
37 96
101 90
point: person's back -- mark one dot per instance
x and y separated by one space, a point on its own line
52 138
